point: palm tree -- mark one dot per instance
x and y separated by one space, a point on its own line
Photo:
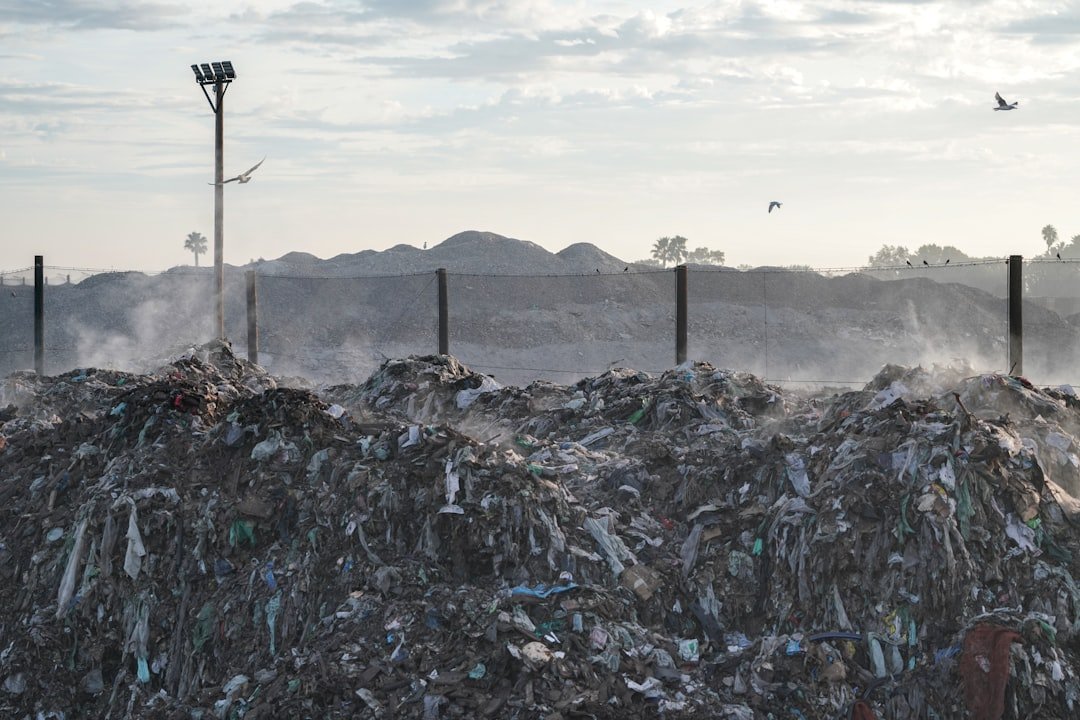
660 250
670 250
1050 237
677 249
196 243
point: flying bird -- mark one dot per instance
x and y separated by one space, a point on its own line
775 204
244 177
1002 105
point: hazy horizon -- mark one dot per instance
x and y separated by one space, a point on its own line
554 122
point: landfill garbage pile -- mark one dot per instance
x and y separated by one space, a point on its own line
201 542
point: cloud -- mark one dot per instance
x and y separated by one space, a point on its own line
93 14
846 18
1048 29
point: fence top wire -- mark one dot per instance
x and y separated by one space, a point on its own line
121 271
344 277
561 275
884 268
616 273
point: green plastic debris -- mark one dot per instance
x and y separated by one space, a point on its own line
548 626
639 413
294 685
1050 630
534 469
204 626
311 538
903 527
759 546
240 531
478 672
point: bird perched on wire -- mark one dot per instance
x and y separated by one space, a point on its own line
1058 257
1002 105
926 263
774 204
244 177
626 269
947 261
909 263
597 271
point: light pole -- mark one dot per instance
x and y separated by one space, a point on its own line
218 74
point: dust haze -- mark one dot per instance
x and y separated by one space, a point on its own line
561 317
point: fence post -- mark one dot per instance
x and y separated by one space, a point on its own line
681 295
1016 321
252 318
444 314
39 315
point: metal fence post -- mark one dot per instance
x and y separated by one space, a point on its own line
681 295
444 314
39 314
1016 320
252 317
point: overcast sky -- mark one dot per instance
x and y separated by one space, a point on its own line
610 122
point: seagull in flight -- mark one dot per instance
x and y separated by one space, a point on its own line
1002 105
244 177
774 204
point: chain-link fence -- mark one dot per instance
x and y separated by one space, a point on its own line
341 329
839 327
812 327
1051 318
562 328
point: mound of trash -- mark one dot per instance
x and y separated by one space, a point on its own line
201 542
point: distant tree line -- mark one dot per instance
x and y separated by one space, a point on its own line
1043 276
897 255
1065 250
673 251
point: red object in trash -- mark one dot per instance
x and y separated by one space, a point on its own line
984 666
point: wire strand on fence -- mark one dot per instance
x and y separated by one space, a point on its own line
341 277
619 273
408 306
187 270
